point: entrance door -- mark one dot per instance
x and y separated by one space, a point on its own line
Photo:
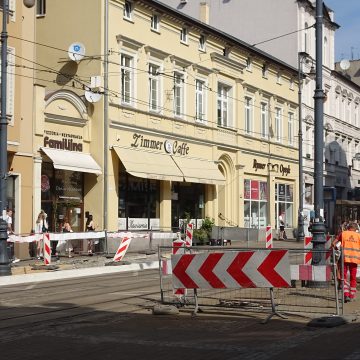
73 212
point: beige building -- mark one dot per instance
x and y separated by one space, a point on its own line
20 72
146 116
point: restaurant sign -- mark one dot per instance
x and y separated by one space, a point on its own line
62 141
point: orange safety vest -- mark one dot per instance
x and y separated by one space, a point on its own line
350 241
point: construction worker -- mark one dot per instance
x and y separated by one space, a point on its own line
350 244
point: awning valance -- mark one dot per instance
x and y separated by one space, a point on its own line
148 164
72 160
199 171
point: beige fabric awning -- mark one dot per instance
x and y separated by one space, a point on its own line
200 171
72 160
147 164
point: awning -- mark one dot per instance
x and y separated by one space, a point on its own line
72 160
147 164
199 171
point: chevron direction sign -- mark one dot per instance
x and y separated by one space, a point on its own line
233 269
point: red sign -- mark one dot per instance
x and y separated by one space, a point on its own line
237 269
254 190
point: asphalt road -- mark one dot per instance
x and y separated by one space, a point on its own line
110 317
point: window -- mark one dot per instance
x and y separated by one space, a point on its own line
264 120
139 202
11 6
278 124
264 70
179 94
248 64
184 35
255 204
284 203
202 43
278 78
155 22
154 87
248 115
126 79
291 128
40 7
128 10
223 105
10 84
200 100
308 194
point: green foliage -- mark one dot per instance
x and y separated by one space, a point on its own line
203 234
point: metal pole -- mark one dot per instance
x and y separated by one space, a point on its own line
318 228
106 109
300 233
4 258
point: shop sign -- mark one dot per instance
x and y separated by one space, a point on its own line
283 169
171 147
121 224
137 224
62 141
155 224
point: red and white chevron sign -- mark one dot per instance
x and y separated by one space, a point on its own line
236 269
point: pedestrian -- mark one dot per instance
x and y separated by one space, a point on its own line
41 228
66 228
282 228
90 226
10 231
350 245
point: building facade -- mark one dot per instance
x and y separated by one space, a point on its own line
20 68
148 117
288 39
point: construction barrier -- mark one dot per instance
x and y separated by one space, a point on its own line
266 280
308 246
269 238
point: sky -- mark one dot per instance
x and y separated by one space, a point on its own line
347 37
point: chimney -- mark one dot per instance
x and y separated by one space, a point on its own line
204 12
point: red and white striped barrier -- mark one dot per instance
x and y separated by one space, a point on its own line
47 249
307 246
269 237
125 243
189 235
179 248
121 251
247 269
311 272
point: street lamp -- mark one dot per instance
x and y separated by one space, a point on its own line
318 228
4 258
302 57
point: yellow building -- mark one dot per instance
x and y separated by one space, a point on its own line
145 116
19 108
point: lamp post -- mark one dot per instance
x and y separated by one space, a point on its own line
318 228
4 258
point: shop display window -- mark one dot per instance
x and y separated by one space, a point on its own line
255 204
284 203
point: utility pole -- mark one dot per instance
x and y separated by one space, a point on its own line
4 258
